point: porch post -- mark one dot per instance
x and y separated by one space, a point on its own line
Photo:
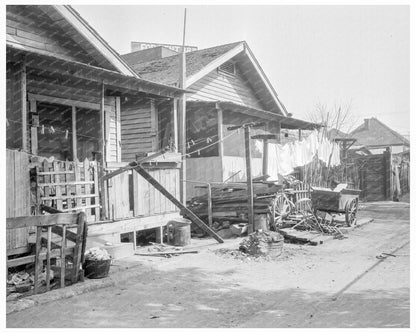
23 94
74 133
220 134
174 129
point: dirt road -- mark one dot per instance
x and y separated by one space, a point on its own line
298 290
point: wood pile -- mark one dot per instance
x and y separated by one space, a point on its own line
229 201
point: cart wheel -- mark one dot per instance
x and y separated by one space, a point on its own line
351 212
280 209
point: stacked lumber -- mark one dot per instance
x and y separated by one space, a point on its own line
229 201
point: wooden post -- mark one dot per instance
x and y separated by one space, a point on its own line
23 93
300 134
249 180
74 133
209 205
33 129
154 125
118 128
182 116
174 124
63 248
103 190
102 120
220 134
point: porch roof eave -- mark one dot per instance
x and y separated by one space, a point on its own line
285 122
68 67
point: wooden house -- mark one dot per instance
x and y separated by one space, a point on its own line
377 137
75 111
226 86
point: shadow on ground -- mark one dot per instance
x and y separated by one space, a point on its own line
190 297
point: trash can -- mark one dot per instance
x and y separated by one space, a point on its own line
179 232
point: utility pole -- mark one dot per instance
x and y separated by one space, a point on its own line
182 116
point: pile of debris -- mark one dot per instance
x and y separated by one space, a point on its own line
258 246
262 243
229 201
22 282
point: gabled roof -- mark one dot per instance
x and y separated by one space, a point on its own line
201 62
166 70
65 34
373 133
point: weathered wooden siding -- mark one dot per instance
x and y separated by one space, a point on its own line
113 128
138 128
13 106
18 195
148 200
205 169
222 87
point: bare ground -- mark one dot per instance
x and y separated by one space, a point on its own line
216 289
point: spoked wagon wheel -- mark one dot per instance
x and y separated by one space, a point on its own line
280 209
351 212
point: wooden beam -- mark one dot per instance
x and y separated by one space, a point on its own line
23 95
64 101
33 129
41 220
220 130
103 187
118 128
74 133
250 201
174 118
154 125
177 203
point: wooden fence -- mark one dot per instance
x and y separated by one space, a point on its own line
69 186
60 248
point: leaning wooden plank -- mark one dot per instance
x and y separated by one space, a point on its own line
177 203
165 253
38 261
78 247
48 259
41 220
63 248
131 165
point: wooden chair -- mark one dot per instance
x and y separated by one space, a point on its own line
57 224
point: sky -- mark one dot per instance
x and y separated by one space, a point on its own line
348 56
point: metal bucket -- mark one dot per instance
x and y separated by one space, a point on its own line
179 233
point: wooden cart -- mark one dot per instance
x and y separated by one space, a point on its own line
343 202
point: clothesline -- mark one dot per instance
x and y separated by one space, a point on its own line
284 158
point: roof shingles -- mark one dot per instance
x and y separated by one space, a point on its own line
166 70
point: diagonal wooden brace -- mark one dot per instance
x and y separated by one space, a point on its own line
142 172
